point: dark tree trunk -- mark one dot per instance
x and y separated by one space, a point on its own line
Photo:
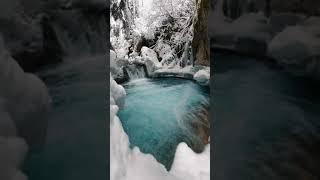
200 43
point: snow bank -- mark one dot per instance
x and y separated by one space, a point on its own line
131 164
189 165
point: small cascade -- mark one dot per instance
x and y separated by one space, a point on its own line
135 71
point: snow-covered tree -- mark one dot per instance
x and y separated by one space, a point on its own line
167 26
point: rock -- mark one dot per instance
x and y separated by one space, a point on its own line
203 76
186 73
26 99
150 59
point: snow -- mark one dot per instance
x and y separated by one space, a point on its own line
131 164
202 76
150 59
185 159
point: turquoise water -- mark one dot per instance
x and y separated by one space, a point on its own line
157 117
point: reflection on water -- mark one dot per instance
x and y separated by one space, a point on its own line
266 122
154 116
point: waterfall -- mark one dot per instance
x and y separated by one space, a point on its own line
135 71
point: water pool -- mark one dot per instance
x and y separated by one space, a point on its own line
157 115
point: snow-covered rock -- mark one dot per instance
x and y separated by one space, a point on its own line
117 93
203 76
150 59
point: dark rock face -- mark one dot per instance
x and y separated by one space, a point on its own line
200 44
38 32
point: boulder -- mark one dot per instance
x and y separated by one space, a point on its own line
203 76
116 68
150 59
